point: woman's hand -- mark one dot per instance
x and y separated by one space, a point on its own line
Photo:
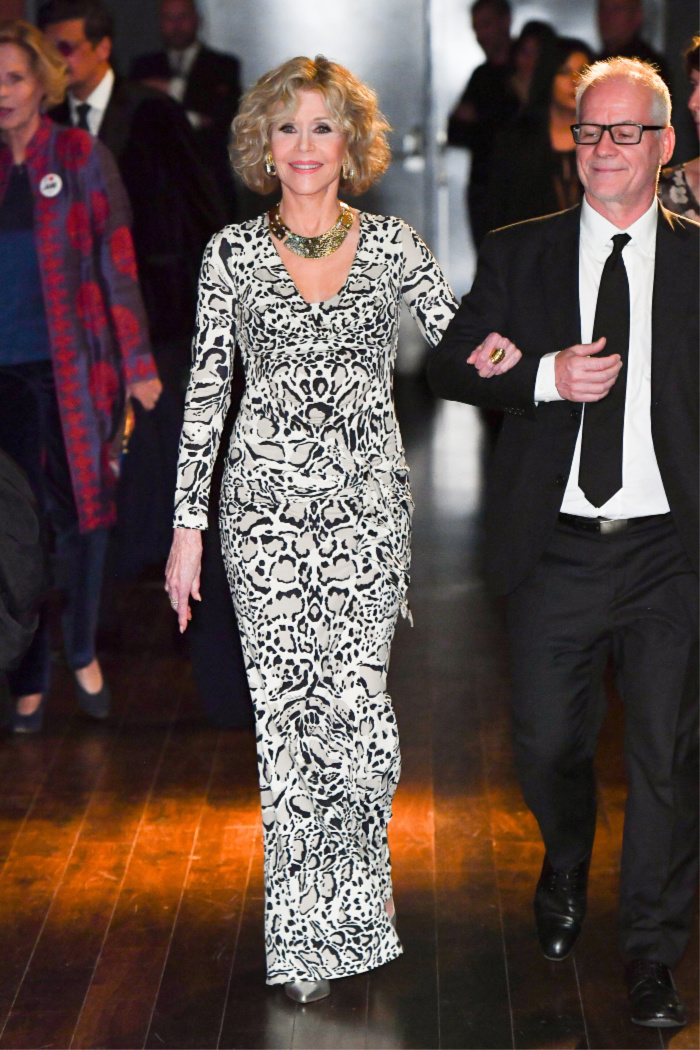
182 572
146 392
481 357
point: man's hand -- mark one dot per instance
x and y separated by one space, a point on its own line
580 377
480 357
146 392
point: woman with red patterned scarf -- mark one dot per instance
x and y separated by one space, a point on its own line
73 346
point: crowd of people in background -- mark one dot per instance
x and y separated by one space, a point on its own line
113 281
518 105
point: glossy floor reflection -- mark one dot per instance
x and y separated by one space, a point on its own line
131 881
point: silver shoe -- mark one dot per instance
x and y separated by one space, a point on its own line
307 991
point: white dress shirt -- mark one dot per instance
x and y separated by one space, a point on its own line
98 100
642 489
181 62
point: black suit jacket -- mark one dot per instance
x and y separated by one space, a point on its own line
526 288
175 201
213 85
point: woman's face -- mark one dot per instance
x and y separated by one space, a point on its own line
21 91
564 83
694 100
308 148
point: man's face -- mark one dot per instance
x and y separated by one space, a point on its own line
622 176
178 24
87 63
492 29
619 21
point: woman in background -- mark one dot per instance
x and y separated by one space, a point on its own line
679 186
535 37
315 505
73 341
534 164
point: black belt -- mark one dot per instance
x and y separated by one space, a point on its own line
609 526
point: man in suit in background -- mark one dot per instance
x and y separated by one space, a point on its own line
487 104
620 25
594 538
175 201
206 82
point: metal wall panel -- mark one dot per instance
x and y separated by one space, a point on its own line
384 43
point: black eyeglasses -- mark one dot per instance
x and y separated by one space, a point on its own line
621 134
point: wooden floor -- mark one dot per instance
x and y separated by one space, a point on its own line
131 880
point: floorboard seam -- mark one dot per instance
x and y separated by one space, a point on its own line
35 796
59 883
193 849
583 1011
487 784
154 780
237 938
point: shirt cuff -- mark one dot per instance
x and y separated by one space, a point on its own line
545 384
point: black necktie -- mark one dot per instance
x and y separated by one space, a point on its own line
600 470
82 109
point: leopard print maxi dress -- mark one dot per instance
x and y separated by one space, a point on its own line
315 521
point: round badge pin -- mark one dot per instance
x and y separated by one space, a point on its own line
51 185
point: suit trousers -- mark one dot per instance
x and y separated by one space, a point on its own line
631 595
31 434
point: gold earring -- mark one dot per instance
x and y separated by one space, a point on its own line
347 171
270 165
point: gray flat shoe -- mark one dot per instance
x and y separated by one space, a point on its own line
307 991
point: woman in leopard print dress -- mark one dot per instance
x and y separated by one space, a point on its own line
315 507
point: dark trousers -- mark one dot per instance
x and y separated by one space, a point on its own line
31 434
632 595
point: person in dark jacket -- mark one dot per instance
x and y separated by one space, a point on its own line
206 82
73 343
488 103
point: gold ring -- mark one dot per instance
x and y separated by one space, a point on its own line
497 355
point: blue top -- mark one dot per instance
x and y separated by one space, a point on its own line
24 333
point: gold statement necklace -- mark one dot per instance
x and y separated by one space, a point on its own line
312 247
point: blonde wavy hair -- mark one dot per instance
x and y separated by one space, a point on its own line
351 105
47 64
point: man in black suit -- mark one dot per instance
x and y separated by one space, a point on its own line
594 538
206 82
175 202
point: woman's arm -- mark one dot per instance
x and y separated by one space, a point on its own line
433 305
209 388
207 402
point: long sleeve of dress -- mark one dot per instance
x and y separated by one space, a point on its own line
209 389
425 290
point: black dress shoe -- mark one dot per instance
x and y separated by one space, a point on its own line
560 905
653 997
